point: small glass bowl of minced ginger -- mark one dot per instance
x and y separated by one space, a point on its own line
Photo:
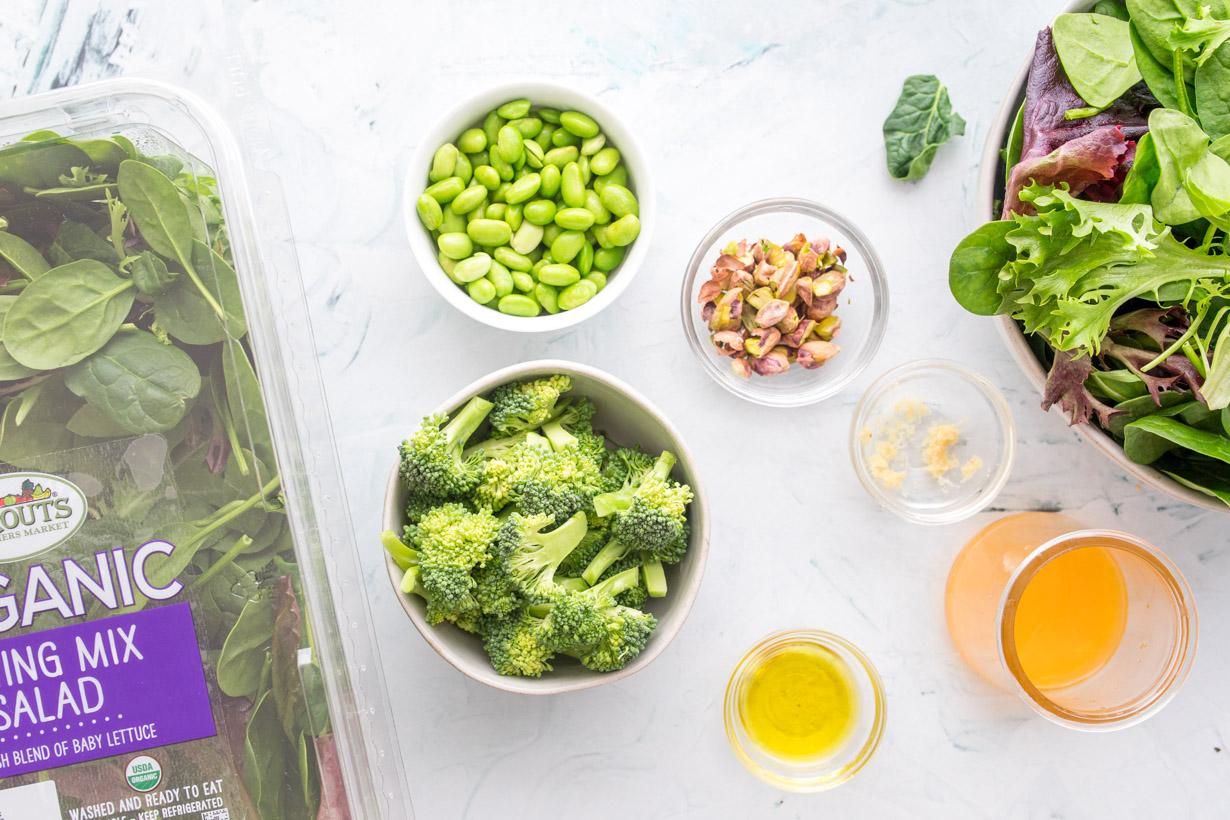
932 441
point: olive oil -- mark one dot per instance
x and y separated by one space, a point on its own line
800 703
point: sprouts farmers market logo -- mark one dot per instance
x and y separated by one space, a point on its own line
37 512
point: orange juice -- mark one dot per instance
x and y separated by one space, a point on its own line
1071 618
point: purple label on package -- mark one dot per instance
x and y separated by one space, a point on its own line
102 688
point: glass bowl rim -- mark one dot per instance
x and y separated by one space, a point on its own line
821 389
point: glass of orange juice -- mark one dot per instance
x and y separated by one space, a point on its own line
1095 629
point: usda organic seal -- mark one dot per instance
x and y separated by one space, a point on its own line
143 773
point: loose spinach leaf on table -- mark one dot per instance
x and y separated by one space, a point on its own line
1096 53
920 122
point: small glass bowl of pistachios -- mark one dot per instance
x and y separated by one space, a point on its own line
784 302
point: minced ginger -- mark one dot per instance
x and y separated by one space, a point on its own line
897 436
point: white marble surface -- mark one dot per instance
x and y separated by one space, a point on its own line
734 101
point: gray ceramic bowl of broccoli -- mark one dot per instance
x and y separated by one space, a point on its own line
626 419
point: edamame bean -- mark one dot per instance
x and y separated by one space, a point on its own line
562 137
479 159
608 259
558 274
522 281
447 265
604 161
598 278
577 219
550 180
580 124
617 177
513 260
504 168
514 109
510 147
516 304
490 233
538 266
523 189
534 155
491 128
540 211
592 145
471 268
446 190
481 290
583 164
599 233
593 204
544 136
584 260
567 245
577 294
453 222
487 176
501 278
623 231
571 188
455 245
472 140
513 216
443 162
548 297
528 126
619 200
527 237
463 169
551 115
550 233
496 210
431 215
498 194
559 157
477 213
469 199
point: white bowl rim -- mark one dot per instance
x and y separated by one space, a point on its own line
682 598
446 127
988 181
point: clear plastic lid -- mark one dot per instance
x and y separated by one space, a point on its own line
183 623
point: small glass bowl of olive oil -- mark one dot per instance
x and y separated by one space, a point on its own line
804 710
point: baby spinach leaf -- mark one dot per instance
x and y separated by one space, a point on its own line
243 653
1181 145
247 406
150 274
185 312
1197 477
10 368
34 424
21 256
264 769
973 271
66 314
39 164
92 423
1148 439
1143 175
920 122
1016 141
1159 78
1213 92
77 241
1111 8
81 193
155 206
1096 54
138 382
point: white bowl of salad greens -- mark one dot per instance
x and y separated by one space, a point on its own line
545 530
1108 176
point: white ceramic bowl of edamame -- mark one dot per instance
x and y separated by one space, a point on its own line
469 115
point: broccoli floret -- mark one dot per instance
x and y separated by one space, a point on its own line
534 555
650 519
432 463
465 613
627 633
575 622
591 544
526 405
515 646
452 542
637 595
624 468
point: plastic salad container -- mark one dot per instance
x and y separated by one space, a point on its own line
177 575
